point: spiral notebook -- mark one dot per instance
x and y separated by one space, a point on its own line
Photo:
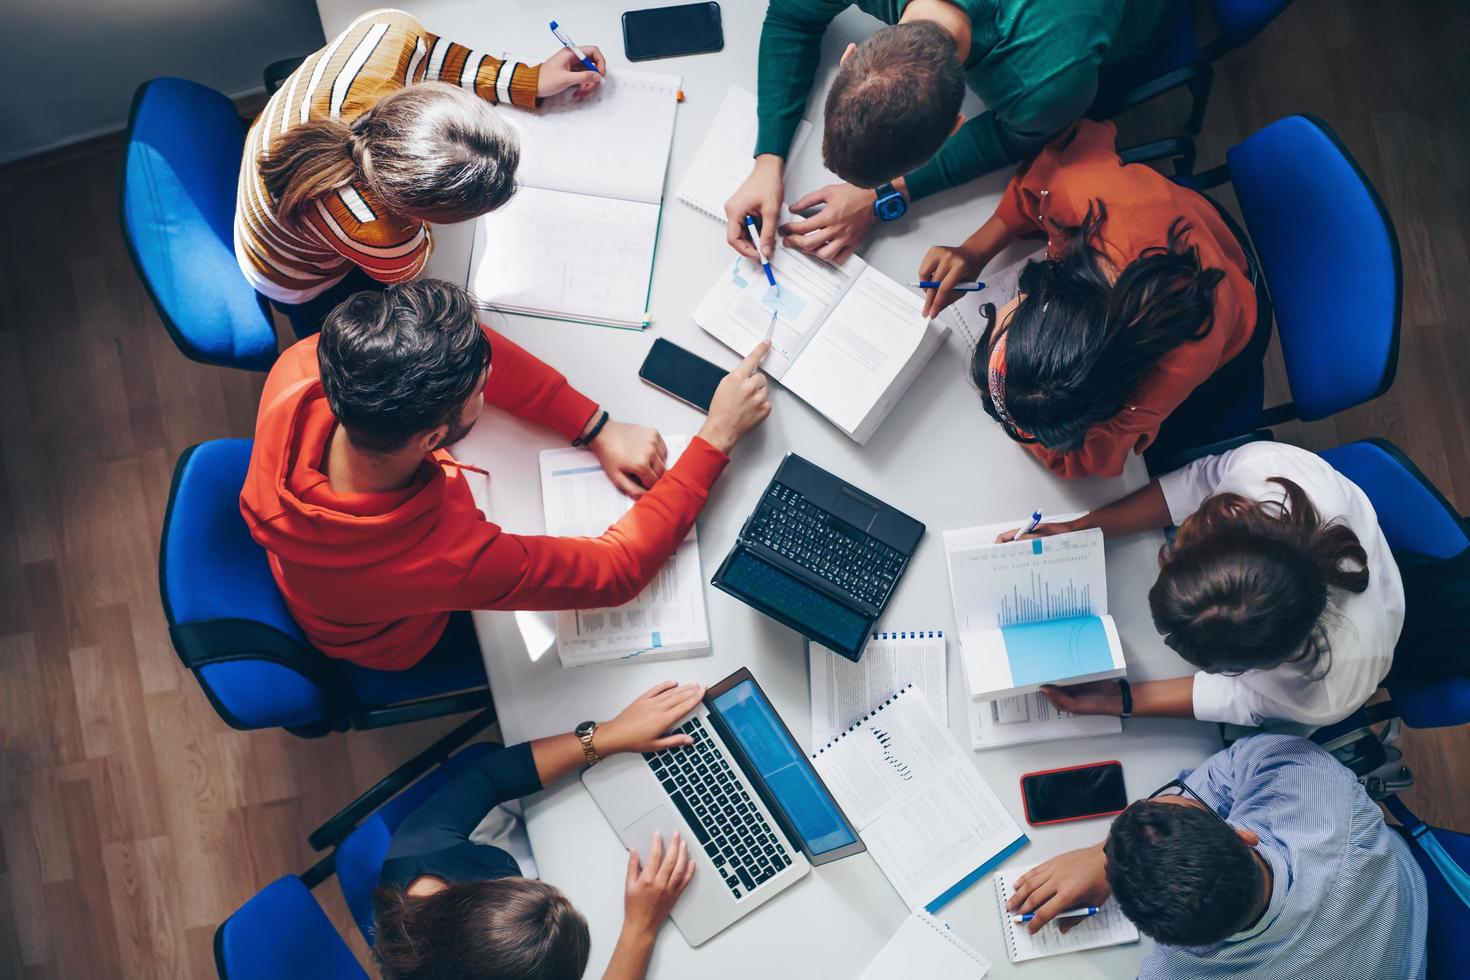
842 691
932 824
926 947
1110 927
727 153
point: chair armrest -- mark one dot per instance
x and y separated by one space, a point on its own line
1178 148
1167 82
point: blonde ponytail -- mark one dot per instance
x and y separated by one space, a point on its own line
309 160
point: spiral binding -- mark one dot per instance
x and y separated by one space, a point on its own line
910 635
864 719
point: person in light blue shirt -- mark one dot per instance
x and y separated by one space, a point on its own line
1268 861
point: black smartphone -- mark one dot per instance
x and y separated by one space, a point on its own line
688 377
1073 793
667 32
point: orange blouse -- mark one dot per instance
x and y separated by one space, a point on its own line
1053 192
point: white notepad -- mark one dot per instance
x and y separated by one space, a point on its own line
931 823
727 154
1001 286
1031 612
1110 927
1030 717
577 240
666 620
843 691
926 947
848 340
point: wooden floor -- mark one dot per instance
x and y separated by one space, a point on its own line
133 821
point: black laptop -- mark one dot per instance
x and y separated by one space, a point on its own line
820 556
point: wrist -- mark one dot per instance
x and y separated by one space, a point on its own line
637 934
593 430
608 739
717 436
772 162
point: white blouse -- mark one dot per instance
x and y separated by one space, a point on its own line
1361 628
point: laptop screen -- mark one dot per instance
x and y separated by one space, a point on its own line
761 735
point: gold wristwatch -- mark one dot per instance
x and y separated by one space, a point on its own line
584 732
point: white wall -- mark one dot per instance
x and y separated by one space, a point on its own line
70 66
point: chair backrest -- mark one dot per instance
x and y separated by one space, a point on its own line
359 858
226 616
177 202
1241 20
1414 516
1331 260
1448 952
283 934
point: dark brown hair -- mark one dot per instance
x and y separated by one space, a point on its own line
431 151
506 928
1078 343
892 104
1244 585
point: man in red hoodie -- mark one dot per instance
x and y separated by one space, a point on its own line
374 538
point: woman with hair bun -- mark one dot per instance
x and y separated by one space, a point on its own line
385 130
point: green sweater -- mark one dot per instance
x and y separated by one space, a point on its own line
1034 63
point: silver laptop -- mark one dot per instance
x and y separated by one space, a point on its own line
745 796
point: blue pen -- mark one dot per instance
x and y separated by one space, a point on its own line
962 287
756 241
567 43
1035 522
1069 914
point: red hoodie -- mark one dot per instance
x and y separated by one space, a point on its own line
373 577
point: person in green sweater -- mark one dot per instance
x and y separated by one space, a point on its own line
893 131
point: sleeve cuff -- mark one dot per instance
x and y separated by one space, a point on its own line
775 136
700 464
513 771
570 411
924 182
524 81
1217 698
1176 489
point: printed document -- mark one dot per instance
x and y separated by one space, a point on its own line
843 691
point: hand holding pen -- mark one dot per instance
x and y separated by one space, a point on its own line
583 67
945 273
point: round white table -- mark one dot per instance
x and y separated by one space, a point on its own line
937 456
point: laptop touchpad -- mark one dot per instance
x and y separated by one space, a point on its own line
853 509
639 834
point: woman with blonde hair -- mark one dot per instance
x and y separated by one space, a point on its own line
385 130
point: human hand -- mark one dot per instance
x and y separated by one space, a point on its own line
1039 531
759 197
644 724
741 402
1067 881
633 456
840 226
654 887
563 70
948 266
1092 698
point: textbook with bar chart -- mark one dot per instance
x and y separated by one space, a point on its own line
1031 612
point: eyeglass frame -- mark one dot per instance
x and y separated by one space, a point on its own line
1185 790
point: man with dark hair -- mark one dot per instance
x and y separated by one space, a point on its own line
893 128
373 535
1269 860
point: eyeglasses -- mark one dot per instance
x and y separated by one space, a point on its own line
1178 787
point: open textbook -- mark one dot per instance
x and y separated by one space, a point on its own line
1110 927
1031 612
847 339
932 824
724 158
576 241
843 691
667 619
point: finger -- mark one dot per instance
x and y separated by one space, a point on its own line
686 700
633 869
645 475
659 688
945 294
810 242
681 867
661 448
735 236
804 226
688 877
770 216
672 742
671 858
657 465
818 196
1059 699
655 856
1023 887
1041 892
752 360
595 53
623 483
830 251
929 263
1046 913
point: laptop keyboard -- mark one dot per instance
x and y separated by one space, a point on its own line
861 565
745 848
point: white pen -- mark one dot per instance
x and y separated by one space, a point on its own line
566 41
1069 914
1035 522
755 240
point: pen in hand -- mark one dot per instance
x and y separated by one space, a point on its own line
1069 914
1035 523
755 240
567 43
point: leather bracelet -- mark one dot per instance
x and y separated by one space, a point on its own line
596 430
1125 689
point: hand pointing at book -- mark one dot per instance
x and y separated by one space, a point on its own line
741 402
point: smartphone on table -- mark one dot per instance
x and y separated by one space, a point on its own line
667 32
1073 793
688 377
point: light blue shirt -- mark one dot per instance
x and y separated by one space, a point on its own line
1347 899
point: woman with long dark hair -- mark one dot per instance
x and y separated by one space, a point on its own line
452 908
1133 330
1279 588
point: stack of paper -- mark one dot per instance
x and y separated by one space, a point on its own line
1031 612
666 620
577 240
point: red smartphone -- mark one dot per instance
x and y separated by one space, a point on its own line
1073 793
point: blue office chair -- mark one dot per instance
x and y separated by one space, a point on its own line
1447 952
231 628
283 934
177 202
1176 61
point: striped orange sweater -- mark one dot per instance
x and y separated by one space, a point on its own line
378 54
